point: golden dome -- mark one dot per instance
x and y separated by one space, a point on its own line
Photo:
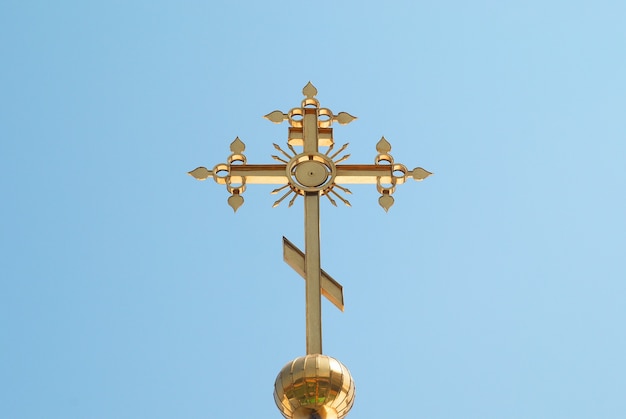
314 386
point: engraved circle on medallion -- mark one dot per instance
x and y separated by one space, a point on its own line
311 173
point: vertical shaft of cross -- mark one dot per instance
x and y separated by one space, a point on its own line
313 274
312 244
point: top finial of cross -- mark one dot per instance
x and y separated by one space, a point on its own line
309 91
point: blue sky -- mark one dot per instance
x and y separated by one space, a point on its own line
494 289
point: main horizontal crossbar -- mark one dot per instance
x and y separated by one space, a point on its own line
275 174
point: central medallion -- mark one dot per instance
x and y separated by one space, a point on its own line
311 172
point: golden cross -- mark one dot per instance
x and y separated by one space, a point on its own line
311 174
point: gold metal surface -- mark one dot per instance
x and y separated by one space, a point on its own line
331 289
314 386
313 270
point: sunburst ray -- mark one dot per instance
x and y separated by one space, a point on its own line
277 147
293 150
275 191
279 159
343 147
277 203
344 200
330 147
344 158
295 196
332 201
343 188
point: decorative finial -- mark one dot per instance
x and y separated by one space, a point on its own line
309 91
201 173
420 174
383 146
237 146
386 201
235 201
276 117
343 118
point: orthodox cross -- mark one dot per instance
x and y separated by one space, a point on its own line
311 174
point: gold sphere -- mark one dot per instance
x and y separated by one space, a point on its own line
314 386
